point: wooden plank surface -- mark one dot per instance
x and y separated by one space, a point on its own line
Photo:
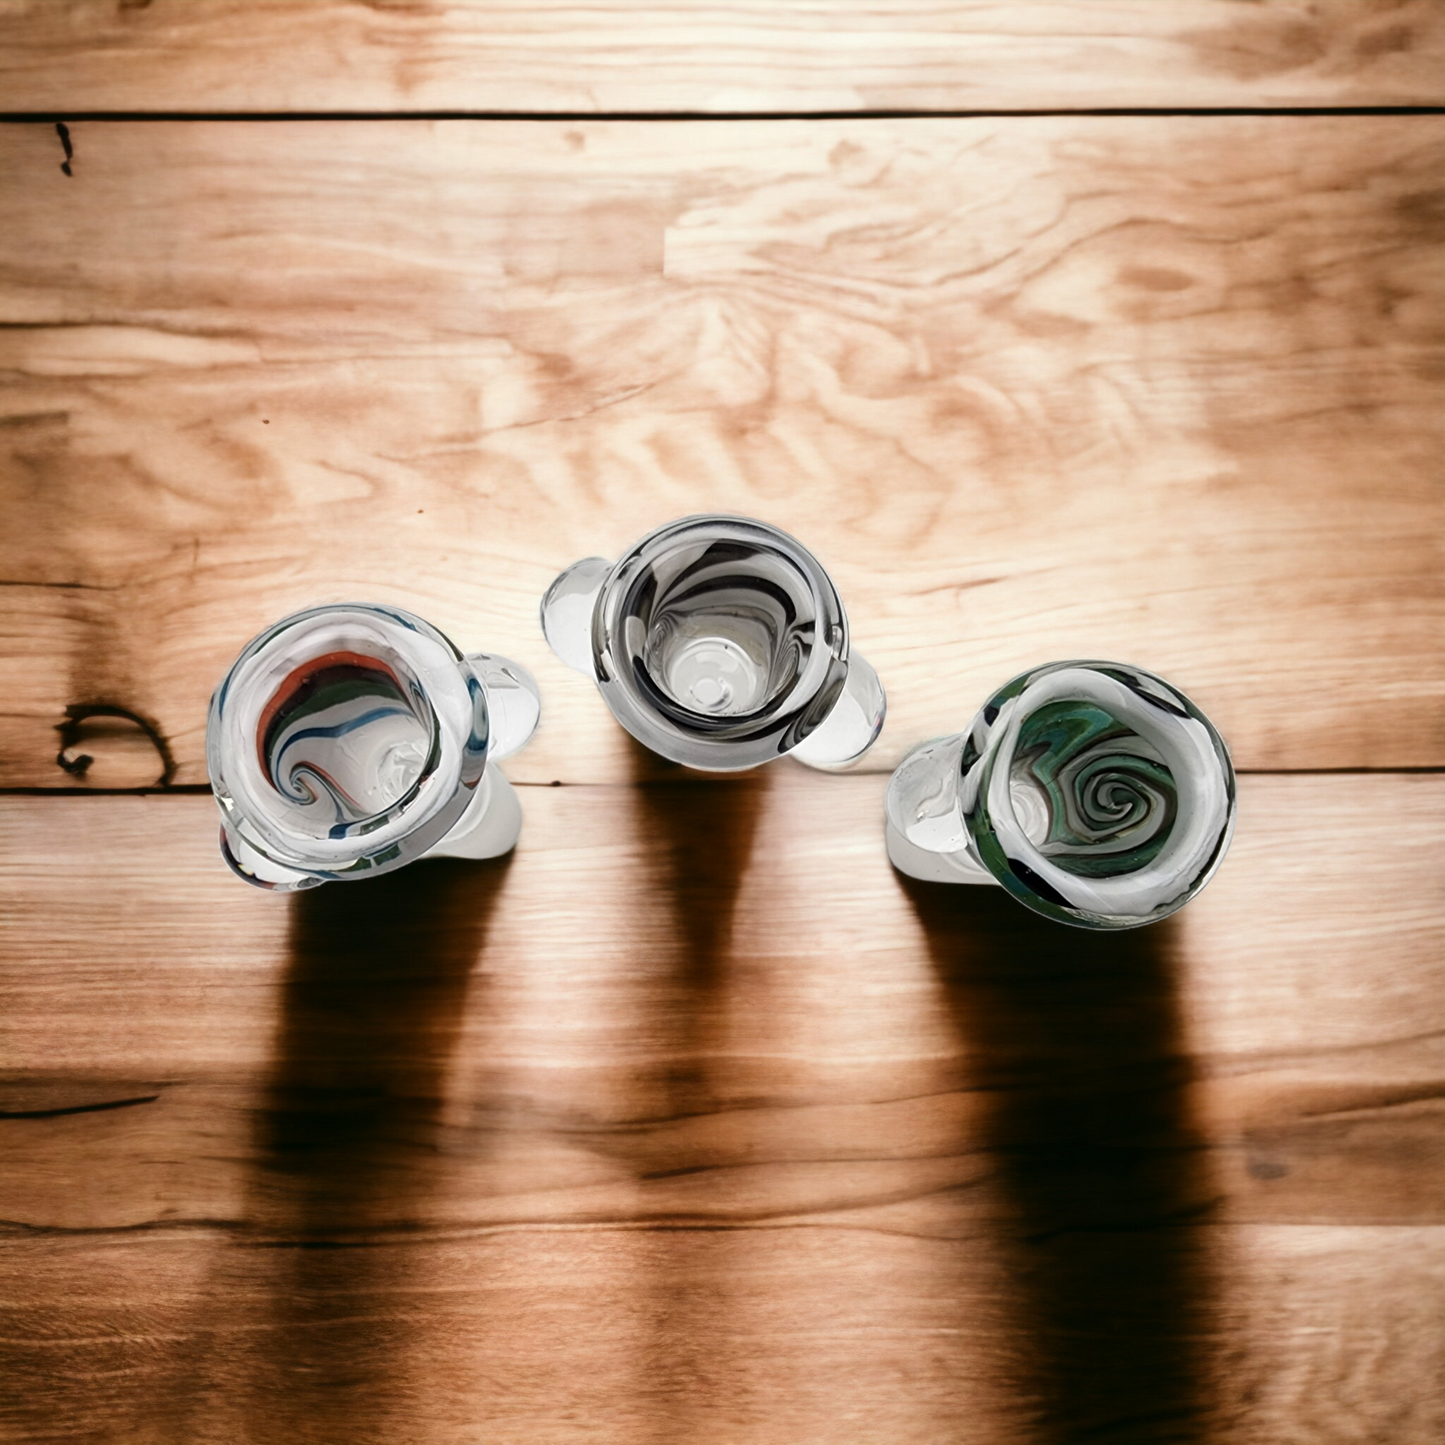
726 56
695 1121
1032 388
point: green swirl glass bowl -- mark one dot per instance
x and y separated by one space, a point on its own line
1096 793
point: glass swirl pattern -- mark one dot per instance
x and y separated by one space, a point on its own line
344 738
719 642
1095 793
349 740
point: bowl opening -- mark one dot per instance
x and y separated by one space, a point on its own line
723 629
1096 798
344 737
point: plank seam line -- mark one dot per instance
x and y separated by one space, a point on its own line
201 789
50 117
381 1238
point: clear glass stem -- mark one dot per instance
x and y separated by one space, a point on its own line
490 826
916 862
926 834
924 805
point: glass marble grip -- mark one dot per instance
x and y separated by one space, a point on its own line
514 702
492 822
567 608
855 721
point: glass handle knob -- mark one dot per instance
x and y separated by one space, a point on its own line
849 729
513 702
567 608
923 802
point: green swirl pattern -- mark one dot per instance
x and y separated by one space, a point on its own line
1110 798
1097 794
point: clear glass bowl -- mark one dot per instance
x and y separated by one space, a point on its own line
352 739
719 642
1096 793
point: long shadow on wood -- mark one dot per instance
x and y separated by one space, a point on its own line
1077 1039
698 837
348 1143
697 834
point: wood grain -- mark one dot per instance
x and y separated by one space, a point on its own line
694 1121
1031 388
727 56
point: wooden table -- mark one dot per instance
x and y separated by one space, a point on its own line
1057 329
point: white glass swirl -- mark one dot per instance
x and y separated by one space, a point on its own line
350 740
719 642
1095 793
